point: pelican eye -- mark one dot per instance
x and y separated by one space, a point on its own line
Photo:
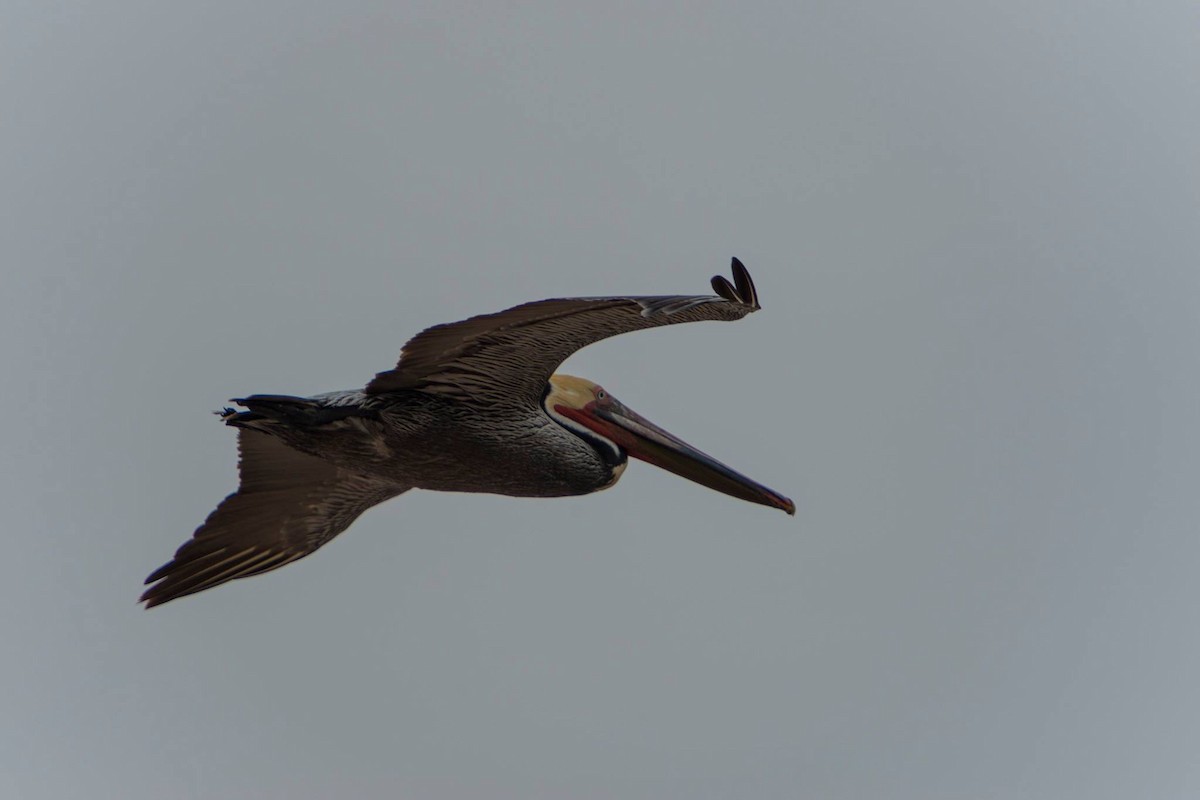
601 395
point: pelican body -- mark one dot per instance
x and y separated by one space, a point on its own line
471 406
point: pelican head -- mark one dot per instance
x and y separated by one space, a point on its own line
590 412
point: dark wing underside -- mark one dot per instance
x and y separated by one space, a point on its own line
288 505
512 354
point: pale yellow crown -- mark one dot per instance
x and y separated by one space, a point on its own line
572 392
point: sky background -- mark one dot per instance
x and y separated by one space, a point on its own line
975 230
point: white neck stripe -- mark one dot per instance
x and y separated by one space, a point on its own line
585 433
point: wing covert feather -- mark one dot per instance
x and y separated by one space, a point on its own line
512 354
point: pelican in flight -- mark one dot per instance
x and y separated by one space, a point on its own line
472 406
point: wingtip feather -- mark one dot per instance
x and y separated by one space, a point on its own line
741 290
723 287
744 283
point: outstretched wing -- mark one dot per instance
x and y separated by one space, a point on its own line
512 354
288 505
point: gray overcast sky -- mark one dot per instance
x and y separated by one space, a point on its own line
974 227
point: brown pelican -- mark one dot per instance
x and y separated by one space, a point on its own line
472 406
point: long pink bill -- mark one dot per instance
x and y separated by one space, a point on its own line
644 440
